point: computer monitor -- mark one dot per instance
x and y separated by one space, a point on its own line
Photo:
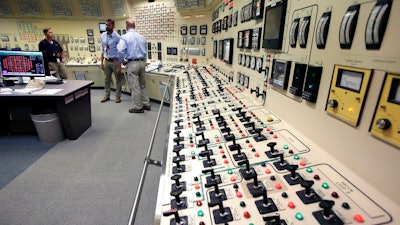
274 25
22 64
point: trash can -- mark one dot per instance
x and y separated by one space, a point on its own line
48 127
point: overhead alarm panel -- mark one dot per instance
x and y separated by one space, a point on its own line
376 24
348 26
294 29
386 122
303 31
311 85
347 94
322 30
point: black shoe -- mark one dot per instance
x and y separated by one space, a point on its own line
105 99
147 107
136 110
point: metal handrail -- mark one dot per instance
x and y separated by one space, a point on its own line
147 161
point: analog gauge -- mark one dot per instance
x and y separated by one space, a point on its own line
253 62
238 77
241 81
246 81
247 61
240 59
243 59
259 64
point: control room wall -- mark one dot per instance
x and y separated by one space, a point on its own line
373 160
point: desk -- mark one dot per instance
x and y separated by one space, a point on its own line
72 105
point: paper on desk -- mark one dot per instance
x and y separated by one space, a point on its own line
47 91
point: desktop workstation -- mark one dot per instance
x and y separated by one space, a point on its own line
69 99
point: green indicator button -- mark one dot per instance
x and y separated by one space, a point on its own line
346 205
325 185
259 120
190 135
309 169
198 194
299 216
296 157
209 119
215 136
193 152
265 126
285 147
200 213
230 171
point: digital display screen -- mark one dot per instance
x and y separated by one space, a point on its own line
274 25
394 94
21 63
102 27
279 74
274 22
350 80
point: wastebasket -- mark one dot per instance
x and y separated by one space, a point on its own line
48 127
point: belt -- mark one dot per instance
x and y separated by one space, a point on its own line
139 59
111 59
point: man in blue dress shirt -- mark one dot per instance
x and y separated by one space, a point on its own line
132 53
109 61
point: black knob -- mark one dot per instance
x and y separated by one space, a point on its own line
292 168
332 103
174 212
383 124
176 178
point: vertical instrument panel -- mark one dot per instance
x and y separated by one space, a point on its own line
348 26
322 30
347 94
386 122
376 24
298 79
303 31
311 85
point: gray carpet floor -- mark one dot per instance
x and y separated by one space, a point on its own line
91 180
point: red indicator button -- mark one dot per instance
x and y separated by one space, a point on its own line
198 203
268 129
239 194
291 205
233 178
196 186
192 145
302 163
212 127
316 176
246 214
257 155
250 145
217 140
226 161
335 194
267 171
358 218
278 186
222 151
275 136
